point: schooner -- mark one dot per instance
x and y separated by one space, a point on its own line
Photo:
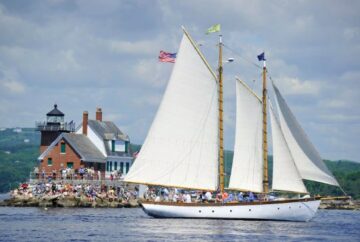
184 147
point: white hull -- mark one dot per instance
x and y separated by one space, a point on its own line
290 210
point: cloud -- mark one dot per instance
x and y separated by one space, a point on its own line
83 54
67 62
332 103
352 33
153 100
9 80
334 117
127 47
151 72
13 86
294 86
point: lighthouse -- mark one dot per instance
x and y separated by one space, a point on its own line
53 127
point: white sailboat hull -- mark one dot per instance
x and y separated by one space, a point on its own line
289 210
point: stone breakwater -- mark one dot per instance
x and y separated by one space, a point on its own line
63 193
66 201
340 203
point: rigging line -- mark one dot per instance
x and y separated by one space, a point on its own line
342 190
251 62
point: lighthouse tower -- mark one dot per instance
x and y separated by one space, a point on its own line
53 127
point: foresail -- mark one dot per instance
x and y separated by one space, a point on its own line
181 148
247 167
285 174
306 157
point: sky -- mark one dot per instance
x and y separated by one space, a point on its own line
84 54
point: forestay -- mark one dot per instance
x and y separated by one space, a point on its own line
181 148
247 167
307 159
285 174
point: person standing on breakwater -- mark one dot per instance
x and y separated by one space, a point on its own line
36 172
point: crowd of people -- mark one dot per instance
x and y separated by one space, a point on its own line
177 195
60 188
83 173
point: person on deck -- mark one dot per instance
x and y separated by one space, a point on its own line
175 197
240 197
208 196
225 195
218 197
230 198
251 197
187 198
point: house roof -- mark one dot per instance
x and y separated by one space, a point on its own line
107 130
81 145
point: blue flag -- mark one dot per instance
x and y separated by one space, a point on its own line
261 57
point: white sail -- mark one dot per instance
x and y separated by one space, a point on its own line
247 167
181 148
307 159
286 177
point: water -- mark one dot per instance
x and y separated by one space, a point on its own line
126 224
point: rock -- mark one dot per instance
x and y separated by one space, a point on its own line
45 203
134 203
67 202
85 202
32 202
345 204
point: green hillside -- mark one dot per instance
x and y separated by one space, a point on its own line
19 151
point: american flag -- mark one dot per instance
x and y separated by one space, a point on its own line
135 154
167 57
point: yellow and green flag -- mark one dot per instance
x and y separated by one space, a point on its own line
213 29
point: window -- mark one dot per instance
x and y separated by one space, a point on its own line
126 146
127 167
122 167
110 165
115 165
113 145
107 166
70 164
49 161
63 148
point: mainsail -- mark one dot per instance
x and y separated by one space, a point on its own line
182 146
307 159
247 167
286 177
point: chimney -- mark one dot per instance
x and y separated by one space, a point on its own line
98 114
85 122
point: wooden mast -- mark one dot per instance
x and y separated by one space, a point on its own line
221 125
264 136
